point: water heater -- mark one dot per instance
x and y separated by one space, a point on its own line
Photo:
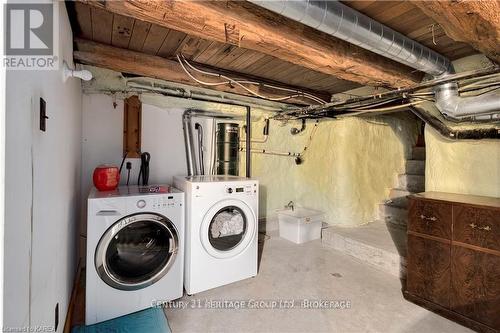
227 149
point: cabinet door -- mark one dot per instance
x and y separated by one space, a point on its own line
428 269
476 285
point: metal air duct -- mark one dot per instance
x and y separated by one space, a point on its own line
343 22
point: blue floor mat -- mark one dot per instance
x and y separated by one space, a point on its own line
151 320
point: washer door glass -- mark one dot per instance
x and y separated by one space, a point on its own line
136 251
227 228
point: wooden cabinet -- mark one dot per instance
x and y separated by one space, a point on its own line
453 260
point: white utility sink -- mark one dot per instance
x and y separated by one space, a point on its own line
300 212
300 225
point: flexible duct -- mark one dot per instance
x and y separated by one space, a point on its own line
343 22
451 105
192 168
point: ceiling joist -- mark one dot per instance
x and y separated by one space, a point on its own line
246 25
122 60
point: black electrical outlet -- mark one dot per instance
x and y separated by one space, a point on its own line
43 115
56 317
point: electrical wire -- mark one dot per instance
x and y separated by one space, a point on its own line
235 82
304 94
361 111
241 83
424 99
480 79
479 84
123 161
368 107
479 87
485 92
144 169
430 93
471 78
250 82
373 104
313 131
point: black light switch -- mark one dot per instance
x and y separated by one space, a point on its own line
43 115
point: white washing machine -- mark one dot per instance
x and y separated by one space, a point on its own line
221 230
135 250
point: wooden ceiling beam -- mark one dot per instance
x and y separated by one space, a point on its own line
123 60
246 25
474 22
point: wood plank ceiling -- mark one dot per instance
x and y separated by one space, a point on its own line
101 26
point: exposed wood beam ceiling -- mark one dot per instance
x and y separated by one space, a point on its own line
408 19
474 22
123 60
93 23
248 26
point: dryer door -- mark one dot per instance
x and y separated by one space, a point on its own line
228 228
137 251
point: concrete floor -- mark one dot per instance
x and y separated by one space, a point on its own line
311 271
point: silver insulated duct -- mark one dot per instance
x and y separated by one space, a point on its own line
343 22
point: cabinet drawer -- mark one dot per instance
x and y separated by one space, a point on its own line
477 226
430 218
428 269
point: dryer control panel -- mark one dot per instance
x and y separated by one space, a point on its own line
248 189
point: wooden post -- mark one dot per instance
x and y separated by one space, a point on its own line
132 114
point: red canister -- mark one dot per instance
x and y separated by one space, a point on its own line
106 177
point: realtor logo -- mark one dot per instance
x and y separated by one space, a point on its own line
30 39
29 29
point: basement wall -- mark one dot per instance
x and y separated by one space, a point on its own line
42 192
466 167
348 168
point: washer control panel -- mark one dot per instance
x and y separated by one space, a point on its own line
157 202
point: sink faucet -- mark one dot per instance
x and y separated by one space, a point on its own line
289 206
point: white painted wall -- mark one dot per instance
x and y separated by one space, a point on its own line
42 191
102 143
162 137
